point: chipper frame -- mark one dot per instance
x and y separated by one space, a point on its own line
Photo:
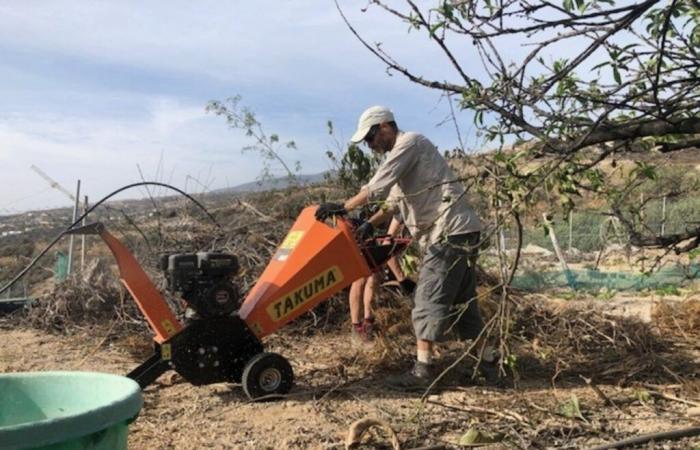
223 342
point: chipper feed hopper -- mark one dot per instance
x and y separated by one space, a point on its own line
222 342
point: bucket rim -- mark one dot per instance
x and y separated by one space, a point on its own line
50 431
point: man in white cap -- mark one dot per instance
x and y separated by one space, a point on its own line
416 178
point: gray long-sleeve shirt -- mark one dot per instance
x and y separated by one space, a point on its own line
416 181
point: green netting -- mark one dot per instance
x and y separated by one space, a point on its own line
594 280
60 268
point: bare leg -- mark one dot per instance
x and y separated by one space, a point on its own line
370 289
355 299
424 351
424 345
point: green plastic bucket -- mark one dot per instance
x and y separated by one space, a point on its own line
66 410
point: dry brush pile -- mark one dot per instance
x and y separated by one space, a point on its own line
95 298
588 342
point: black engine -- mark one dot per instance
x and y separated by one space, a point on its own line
203 280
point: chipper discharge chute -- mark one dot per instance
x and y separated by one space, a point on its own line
222 342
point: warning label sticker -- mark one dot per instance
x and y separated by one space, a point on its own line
290 242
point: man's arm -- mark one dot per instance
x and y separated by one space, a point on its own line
362 197
328 209
358 200
380 217
366 230
400 161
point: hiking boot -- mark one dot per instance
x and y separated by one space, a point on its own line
418 377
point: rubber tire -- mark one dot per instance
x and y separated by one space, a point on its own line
265 364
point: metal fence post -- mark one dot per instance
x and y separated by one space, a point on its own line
663 216
82 237
75 216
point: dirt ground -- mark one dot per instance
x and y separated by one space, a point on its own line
338 383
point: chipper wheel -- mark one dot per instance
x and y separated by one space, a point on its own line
267 374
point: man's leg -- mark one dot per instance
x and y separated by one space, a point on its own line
424 350
469 324
467 321
440 278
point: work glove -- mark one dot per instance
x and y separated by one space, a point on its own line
364 231
326 210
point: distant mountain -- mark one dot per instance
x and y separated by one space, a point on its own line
274 183
254 186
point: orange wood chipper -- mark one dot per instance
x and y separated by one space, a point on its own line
222 342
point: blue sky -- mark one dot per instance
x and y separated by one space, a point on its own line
90 89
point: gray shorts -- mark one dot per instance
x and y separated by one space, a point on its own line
446 286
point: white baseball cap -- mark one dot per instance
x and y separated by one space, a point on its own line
372 116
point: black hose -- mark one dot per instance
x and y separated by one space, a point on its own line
102 200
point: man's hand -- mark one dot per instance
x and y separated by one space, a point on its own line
364 231
326 210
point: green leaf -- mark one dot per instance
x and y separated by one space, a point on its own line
479 117
476 438
645 170
436 27
571 408
616 75
642 395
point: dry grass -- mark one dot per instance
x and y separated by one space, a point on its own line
681 319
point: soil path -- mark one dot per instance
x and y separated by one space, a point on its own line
335 386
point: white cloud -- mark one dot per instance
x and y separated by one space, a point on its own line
169 115
174 139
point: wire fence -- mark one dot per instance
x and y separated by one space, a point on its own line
586 236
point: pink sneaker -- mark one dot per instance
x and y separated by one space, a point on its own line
358 333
